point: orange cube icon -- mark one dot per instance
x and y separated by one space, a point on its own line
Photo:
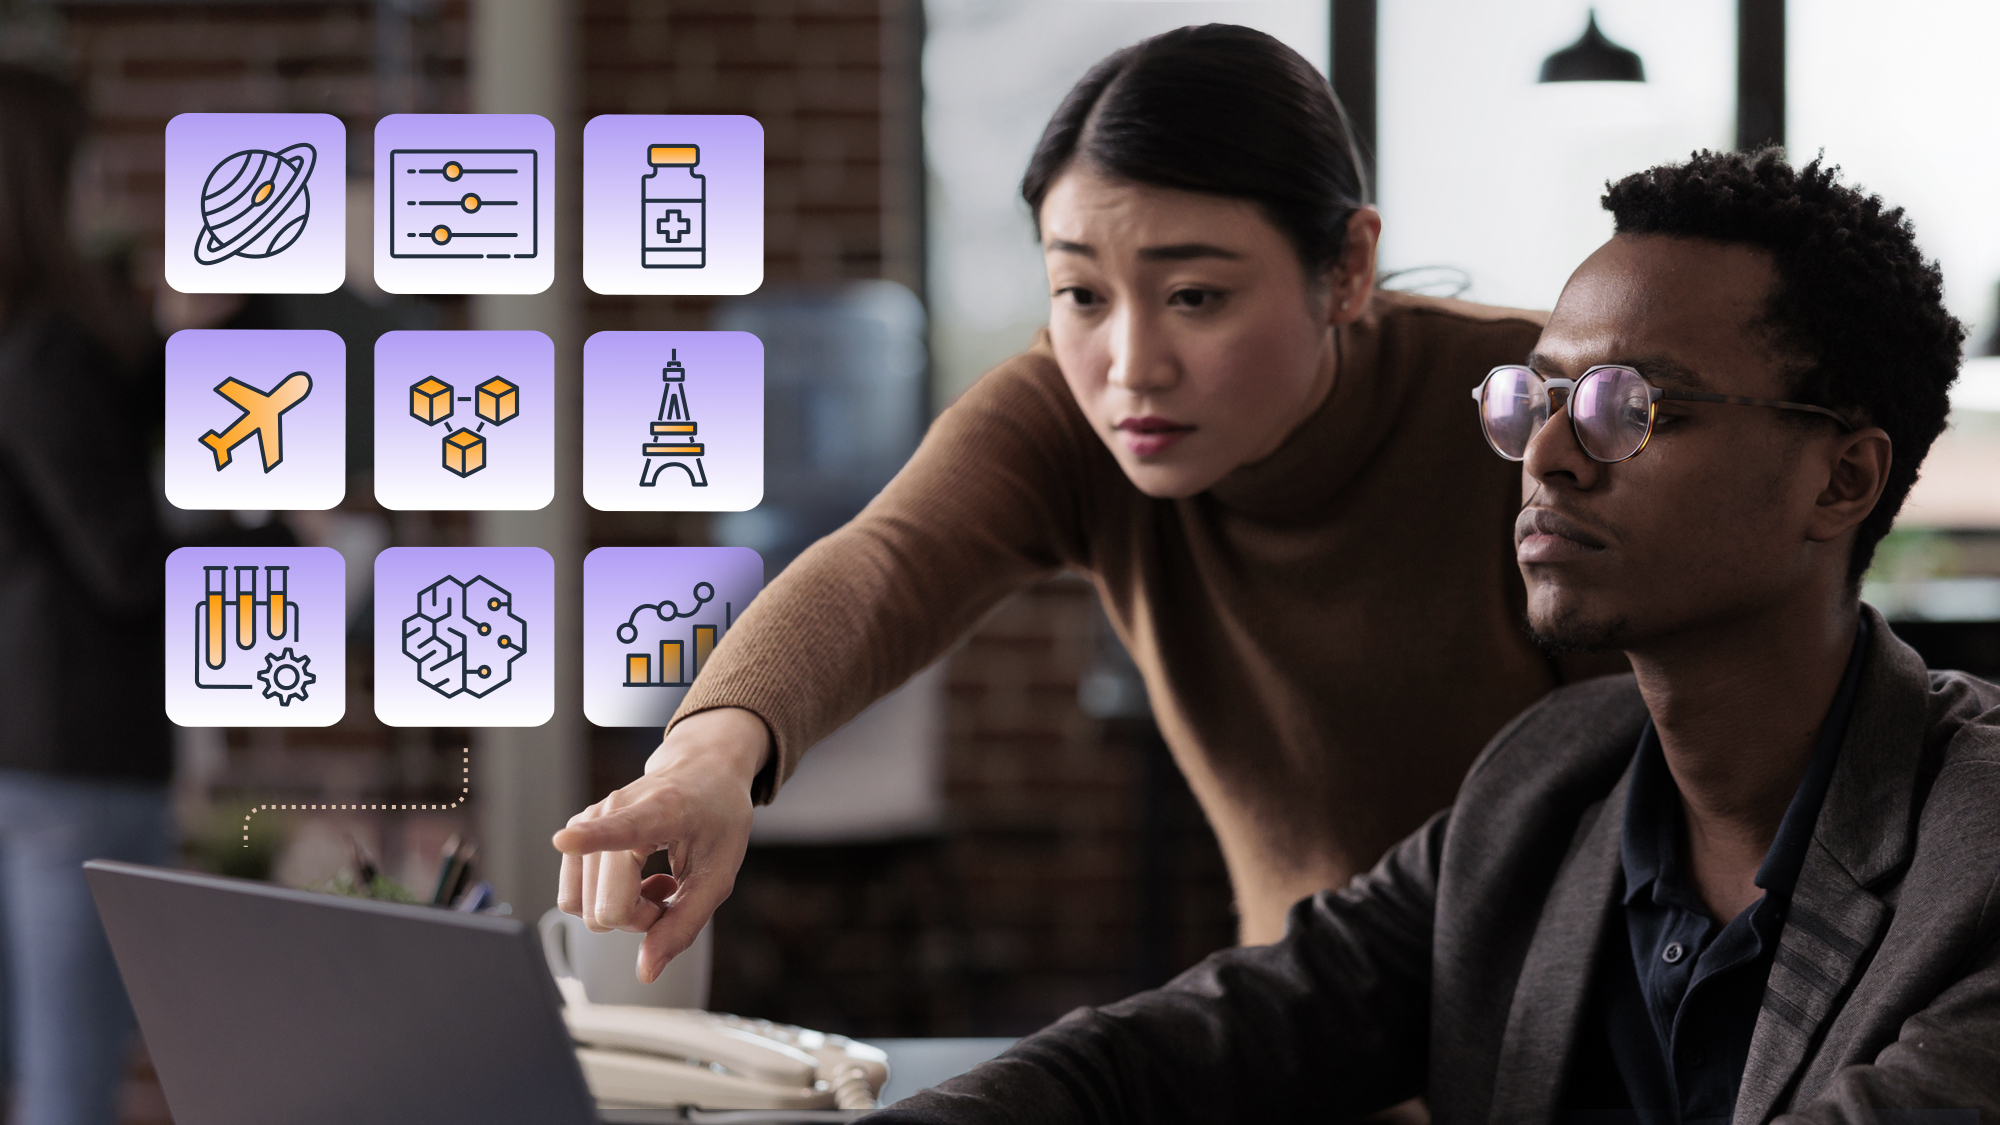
498 400
430 401
464 452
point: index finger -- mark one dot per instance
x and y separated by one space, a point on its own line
628 829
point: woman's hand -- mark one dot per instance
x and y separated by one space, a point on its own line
693 801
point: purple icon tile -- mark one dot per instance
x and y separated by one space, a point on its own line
461 636
256 419
256 637
673 421
256 203
464 420
673 203
464 203
651 618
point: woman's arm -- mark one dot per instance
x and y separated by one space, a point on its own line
997 495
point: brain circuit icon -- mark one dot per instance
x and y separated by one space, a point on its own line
464 636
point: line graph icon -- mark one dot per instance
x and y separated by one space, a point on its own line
674 668
653 620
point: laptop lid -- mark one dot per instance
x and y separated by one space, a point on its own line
263 1004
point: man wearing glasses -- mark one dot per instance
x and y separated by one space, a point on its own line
1761 875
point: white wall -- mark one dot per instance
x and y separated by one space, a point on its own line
994 70
1906 99
1483 169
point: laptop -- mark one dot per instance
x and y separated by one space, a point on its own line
262 1004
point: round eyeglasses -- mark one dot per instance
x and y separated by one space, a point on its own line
1611 409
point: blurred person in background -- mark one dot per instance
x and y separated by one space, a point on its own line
1264 463
85 750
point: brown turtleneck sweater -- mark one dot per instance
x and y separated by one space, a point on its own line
1328 636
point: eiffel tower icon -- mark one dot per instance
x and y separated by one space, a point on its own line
672 443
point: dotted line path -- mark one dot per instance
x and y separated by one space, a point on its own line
464 793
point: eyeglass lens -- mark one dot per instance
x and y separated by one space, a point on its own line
1513 408
1610 410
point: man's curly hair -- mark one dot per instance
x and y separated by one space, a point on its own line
1855 301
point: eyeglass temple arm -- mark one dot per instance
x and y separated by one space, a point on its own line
1745 400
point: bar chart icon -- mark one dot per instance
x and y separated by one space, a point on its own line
669 665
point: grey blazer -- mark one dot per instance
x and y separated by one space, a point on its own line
1456 969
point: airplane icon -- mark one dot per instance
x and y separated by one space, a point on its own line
261 416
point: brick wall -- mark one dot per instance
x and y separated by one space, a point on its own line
822 77
141 64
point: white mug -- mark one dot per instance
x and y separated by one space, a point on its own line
607 964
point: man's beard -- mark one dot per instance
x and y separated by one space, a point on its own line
1569 631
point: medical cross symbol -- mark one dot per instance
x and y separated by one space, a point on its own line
665 225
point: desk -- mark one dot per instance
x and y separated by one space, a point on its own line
917 1064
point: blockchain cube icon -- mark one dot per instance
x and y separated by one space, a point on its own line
430 401
463 420
464 636
464 452
499 400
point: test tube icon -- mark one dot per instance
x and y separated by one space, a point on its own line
216 588
246 606
275 578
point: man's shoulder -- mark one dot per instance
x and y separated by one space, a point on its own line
1965 713
1963 732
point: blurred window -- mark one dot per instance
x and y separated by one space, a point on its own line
1906 105
1905 99
1484 170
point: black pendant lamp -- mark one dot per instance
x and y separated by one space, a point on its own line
1593 58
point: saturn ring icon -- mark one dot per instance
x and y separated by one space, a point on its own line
254 204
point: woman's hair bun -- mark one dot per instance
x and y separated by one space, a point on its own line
1221 110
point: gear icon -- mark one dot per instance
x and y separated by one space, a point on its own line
286 676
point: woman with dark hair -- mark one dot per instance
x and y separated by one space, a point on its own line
1267 467
85 752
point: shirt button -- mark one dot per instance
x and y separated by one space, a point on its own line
1694 1057
1673 953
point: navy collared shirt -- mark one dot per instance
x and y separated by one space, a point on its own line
1675 997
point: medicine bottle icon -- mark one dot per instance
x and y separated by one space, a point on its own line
673 199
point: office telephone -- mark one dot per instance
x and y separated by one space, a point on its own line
635 1056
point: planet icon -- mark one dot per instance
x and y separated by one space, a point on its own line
254 204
